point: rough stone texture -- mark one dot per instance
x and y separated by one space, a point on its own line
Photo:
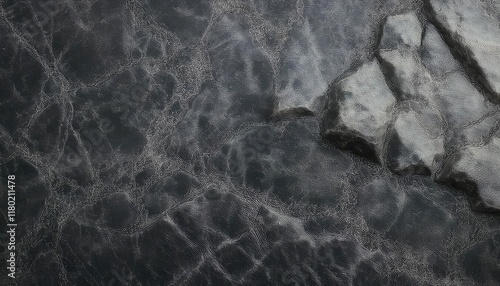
461 102
398 47
480 260
436 55
429 73
474 31
479 133
439 110
415 147
359 110
401 31
407 74
329 40
474 171
319 49
145 149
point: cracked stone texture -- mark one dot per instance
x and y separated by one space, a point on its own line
359 111
416 144
401 31
473 28
319 48
401 37
439 112
473 169
148 149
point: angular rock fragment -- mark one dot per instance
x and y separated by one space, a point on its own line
475 33
429 73
436 55
358 112
318 49
475 170
401 31
398 53
407 74
460 101
452 92
415 146
443 105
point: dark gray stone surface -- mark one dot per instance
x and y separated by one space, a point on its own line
165 143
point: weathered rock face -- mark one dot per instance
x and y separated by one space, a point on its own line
148 147
475 171
407 74
436 55
319 48
460 102
439 111
398 51
359 110
473 30
401 32
414 146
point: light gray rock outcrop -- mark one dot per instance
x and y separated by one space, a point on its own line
415 143
436 55
359 110
398 47
475 33
401 31
475 170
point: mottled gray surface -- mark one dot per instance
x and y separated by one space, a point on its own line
158 142
416 144
473 29
440 114
359 111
